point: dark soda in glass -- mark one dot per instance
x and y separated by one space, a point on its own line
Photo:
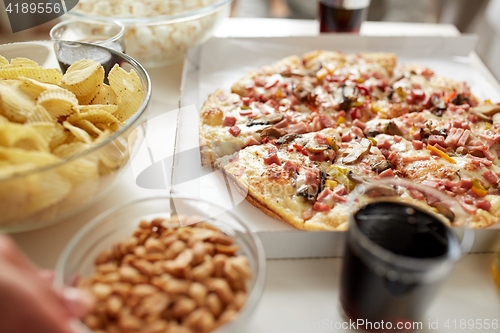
342 15
395 257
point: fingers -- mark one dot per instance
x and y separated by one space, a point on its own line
11 253
77 302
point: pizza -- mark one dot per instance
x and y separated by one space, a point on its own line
298 136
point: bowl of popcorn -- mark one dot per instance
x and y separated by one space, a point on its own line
158 32
165 264
65 136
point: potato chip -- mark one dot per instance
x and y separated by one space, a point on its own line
33 88
23 62
40 116
79 133
59 136
83 78
84 176
113 156
3 119
21 156
94 116
40 74
3 61
58 102
23 136
108 108
8 170
128 89
105 96
69 149
88 127
15 105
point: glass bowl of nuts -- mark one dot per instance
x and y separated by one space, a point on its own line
165 264
157 33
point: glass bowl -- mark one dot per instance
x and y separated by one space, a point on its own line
158 34
36 198
119 223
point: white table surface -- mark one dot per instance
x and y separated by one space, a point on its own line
300 295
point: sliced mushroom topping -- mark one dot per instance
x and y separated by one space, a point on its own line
272 133
358 151
437 102
322 181
393 129
287 138
303 90
304 191
382 191
477 153
315 148
436 111
296 72
355 178
462 151
372 133
485 112
382 166
445 211
266 120
460 99
346 95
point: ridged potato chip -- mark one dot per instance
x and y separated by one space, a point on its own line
40 116
22 136
15 105
105 96
3 119
59 136
23 62
88 127
21 156
94 116
128 89
58 102
3 61
84 177
108 108
79 133
33 88
40 74
83 78
69 149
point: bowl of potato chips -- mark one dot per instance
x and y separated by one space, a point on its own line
69 114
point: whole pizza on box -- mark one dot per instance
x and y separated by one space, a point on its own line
298 136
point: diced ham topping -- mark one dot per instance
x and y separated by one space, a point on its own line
320 138
247 112
315 125
478 160
358 132
384 144
272 159
397 138
467 207
472 118
464 138
340 189
246 101
251 141
417 195
311 176
346 137
465 183
483 204
282 124
393 157
338 198
319 157
325 121
308 214
411 159
490 177
229 121
359 124
290 166
386 174
454 136
299 128
325 193
222 97
417 144
235 131
319 207
436 139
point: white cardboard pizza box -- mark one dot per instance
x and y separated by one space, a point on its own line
221 61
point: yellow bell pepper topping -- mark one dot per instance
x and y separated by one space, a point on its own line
478 188
339 174
341 120
279 93
440 153
374 142
333 144
487 102
331 184
360 80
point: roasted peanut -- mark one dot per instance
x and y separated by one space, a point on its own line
103 257
219 262
114 305
198 292
221 288
214 304
174 249
203 271
129 323
183 307
153 245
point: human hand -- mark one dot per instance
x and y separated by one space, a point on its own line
28 301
